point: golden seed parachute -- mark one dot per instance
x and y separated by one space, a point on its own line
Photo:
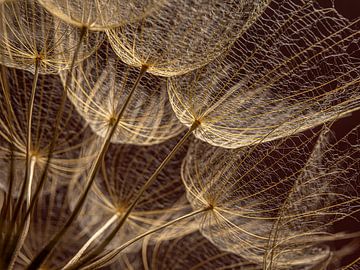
100 15
97 171
99 88
274 203
30 35
269 85
15 95
183 35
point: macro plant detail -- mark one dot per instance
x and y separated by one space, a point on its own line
179 135
269 201
97 89
99 15
32 39
267 86
162 40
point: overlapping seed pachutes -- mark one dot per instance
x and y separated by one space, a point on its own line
124 171
182 36
193 251
99 88
30 34
100 15
14 101
304 71
50 213
275 203
324 193
94 182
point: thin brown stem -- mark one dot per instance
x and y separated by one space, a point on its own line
21 241
46 251
98 233
112 254
28 140
107 240
15 242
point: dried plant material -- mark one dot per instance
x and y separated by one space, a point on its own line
296 67
28 33
275 203
124 171
51 211
14 101
99 88
266 69
183 35
193 251
100 14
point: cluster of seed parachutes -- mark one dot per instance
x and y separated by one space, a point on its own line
169 134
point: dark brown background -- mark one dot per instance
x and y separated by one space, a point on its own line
351 10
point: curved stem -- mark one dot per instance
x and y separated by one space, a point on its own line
56 131
45 252
27 223
31 176
30 113
144 251
112 254
17 240
158 170
98 233
152 178
28 139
